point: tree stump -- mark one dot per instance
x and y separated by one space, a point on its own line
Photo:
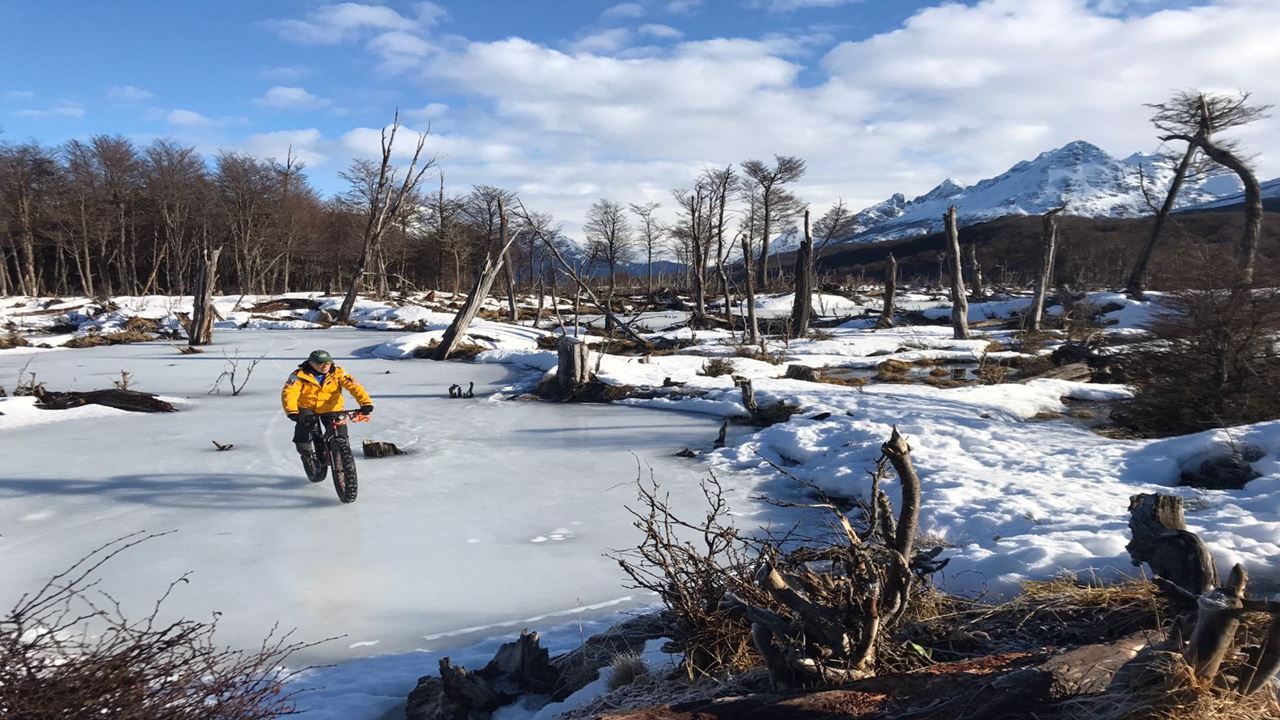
1161 539
802 372
374 449
573 369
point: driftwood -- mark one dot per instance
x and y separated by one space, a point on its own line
376 449
130 400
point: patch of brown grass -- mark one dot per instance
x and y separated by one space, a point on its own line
12 340
122 337
464 351
752 352
855 382
717 367
1165 688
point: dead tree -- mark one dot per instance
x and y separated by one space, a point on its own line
1137 285
1184 567
1049 235
802 306
1195 118
776 202
383 201
748 282
573 368
828 622
975 273
479 291
959 303
890 290
201 330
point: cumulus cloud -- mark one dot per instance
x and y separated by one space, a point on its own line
284 97
602 42
307 145
129 94
188 118
330 24
623 11
664 32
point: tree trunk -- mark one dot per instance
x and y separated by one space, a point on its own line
959 303
1049 234
1248 250
513 312
1160 538
753 327
975 273
1217 618
890 291
802 306
1137 284
762 272
201 330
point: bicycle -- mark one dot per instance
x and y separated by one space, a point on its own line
332 450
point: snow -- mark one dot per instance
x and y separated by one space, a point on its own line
499 496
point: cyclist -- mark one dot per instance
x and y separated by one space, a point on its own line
317 386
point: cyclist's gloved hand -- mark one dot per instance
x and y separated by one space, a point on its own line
366 409
293 416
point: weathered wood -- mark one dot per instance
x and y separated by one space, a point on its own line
1217 618
890 291
802 278
975 272
748 393
1049 236
1087 669
130 400
802 372
1160 539
376 449
959 302
898 585
475 298
201 330
581 666
753 325
573 368
520 667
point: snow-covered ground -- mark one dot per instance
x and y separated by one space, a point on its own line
498 518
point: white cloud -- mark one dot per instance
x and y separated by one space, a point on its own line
623 11
291 98
19 95
129 94
330 24
602 42
429 112
665 32
430 14
308 145
189 118
683 7
791 5
60 110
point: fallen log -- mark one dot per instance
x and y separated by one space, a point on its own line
130 400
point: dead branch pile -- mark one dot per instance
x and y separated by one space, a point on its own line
130 400
52 667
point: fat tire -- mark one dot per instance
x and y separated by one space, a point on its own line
344 470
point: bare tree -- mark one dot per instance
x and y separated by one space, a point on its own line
1050 238
384 201
609 234
1196 118
802 306
776 202
890 291
650 232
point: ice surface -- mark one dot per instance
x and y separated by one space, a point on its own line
496 520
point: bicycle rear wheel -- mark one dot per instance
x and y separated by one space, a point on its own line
344 470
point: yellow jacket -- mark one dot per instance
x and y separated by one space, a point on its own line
303 391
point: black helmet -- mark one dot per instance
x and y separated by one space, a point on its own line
320 357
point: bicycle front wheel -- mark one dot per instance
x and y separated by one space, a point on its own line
344 470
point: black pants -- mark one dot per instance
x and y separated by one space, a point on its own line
302 431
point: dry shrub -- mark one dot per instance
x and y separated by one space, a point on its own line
717 367
821 335
992 372
12 339
854 382
627 669
51 667
122 337
464 351
1215 364
751 352
548 342
691 564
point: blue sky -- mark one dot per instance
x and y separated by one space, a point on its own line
569 101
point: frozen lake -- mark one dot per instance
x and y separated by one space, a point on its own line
497 519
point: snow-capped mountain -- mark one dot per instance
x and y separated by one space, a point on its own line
1270 190
1078 175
